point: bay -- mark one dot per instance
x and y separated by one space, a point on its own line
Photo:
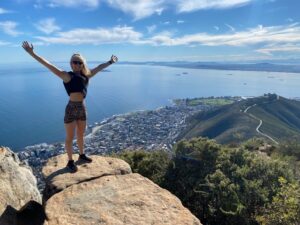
32 100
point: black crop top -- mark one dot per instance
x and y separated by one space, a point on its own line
78 83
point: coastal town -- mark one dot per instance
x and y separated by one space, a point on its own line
148 130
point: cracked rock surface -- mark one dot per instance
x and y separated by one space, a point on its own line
107 192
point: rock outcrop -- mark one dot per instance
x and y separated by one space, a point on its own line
107 192
17 183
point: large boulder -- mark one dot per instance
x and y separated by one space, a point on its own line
17 183
106 192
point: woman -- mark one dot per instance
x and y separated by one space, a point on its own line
76 83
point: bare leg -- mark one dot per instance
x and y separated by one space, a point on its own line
70 130
81 126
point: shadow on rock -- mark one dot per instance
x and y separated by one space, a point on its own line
31 213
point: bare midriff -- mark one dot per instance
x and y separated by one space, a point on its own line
76 97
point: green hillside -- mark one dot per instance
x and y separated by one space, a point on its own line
230 124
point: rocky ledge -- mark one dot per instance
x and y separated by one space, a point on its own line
102 192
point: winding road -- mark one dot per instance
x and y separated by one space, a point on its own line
259 125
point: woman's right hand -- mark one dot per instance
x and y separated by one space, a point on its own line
28 47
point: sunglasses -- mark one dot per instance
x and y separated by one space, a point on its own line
77 62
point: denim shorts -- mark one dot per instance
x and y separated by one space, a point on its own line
75 111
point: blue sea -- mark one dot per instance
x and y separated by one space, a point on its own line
32 100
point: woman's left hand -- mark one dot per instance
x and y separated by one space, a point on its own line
114 59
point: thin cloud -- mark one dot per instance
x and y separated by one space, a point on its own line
269 50
151 28
159 11
94 36
230 27
193 5
217 28
47 26
3 11
180 21
252 36
138 9
73 3
38 4
9 27
3 43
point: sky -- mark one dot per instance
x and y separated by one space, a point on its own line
146 30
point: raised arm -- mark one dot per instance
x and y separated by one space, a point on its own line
62 74
102 66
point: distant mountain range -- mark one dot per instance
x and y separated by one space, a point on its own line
290 67
238 122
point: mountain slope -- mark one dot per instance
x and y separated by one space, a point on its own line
280 119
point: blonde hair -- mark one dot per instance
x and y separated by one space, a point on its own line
85 70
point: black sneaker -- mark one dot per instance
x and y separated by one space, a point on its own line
71 165
83 157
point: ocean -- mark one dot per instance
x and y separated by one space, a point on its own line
33 100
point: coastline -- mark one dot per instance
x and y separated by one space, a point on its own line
143 129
